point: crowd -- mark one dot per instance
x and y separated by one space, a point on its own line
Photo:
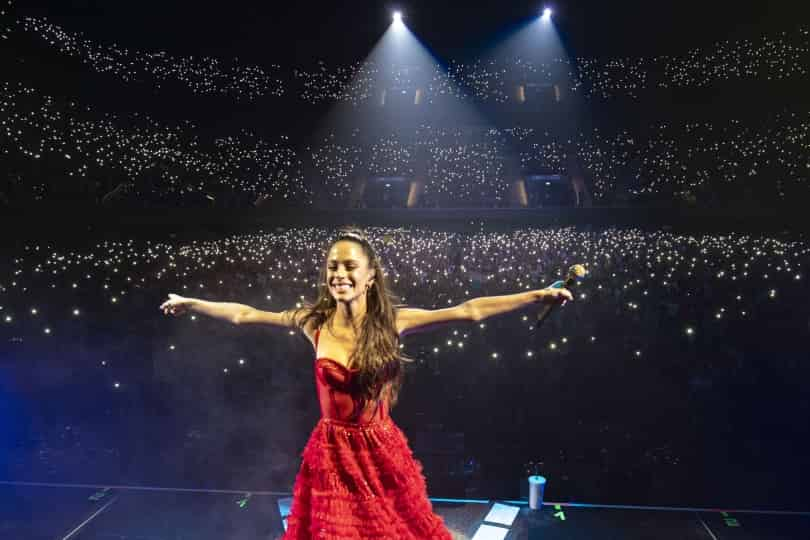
200 75
58 149
782 56
105 385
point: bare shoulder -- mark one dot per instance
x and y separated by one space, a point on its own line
294 319
405 319
401 319
309 331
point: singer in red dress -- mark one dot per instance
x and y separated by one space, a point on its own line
358 479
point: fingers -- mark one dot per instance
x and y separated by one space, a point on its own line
168 303
168 308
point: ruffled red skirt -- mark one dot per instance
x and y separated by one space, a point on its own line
361 482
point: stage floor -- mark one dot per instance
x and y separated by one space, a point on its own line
34 511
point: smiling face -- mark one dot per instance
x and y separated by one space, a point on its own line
347 264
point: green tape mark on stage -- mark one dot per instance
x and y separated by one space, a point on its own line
97 496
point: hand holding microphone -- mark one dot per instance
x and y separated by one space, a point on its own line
558 293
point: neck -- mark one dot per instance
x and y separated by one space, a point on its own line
349 316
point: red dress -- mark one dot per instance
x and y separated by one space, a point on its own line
358 478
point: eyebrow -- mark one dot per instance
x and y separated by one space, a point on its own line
344 260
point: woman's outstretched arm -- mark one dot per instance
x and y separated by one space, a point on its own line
227 311
411 320
488 306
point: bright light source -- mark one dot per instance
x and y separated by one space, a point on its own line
547 14
397 16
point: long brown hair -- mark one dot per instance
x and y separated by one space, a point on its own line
377 355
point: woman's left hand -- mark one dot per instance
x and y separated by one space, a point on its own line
551 295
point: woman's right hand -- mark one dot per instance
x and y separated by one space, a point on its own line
176 305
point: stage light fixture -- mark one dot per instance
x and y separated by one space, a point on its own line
547 14
397 16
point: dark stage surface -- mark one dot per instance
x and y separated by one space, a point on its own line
31 511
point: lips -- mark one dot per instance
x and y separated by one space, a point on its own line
340 287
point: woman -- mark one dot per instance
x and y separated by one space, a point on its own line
358 478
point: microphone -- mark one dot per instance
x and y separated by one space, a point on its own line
574 273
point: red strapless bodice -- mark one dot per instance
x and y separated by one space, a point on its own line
338 400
